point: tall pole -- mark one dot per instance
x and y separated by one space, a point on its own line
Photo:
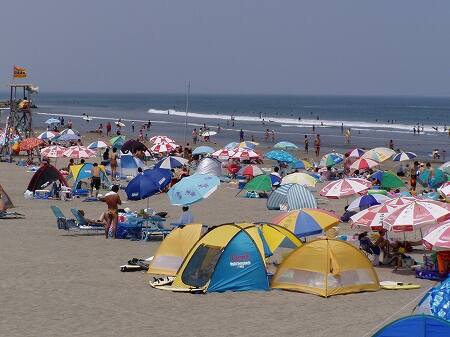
187 109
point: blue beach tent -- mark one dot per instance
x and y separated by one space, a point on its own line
416 326
436 301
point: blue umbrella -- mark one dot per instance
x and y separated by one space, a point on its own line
438 178
280 155
192 189
203 150
171 162
52 121
148 183
66 137
231 145
276 180
366 201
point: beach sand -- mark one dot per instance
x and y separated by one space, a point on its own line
57 283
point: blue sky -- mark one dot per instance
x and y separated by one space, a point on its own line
396 47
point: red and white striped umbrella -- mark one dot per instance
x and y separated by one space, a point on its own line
224 153
250 170
417 214
163 147
445 190
79 152
400 201
53 151
363 164
161 140
244 153
372 218
438 238
47 135
345 187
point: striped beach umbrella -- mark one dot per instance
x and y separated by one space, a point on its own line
306 222
371 218
161 139
285 146
331 159
295 196
224 153
97 145
400 201
79 152
54 151
171 162
163 147
250 170
379 154
345 187
47 135
404 156
244 153
299 178
355 153
363 164
29 144
438 238
417 214
203 150
444 190
365 201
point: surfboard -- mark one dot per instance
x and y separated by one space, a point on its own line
392 285
86 118
179 290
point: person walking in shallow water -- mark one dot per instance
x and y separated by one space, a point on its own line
306 144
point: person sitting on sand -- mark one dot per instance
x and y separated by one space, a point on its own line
368 246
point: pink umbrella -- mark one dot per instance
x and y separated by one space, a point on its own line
224 153
400 201
161 139
417 214
363 164
345 187
53 151
79 152
164 147
438 238
244 153
372 218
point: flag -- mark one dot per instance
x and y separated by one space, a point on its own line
19 72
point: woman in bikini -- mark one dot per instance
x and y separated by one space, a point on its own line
113 163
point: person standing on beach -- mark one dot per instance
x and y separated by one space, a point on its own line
266 136
317 145
241 135
391 144
95 179
272 133
413 175
194 136
132 126
69 124
112 200
306 144
342 128
113 163
108 129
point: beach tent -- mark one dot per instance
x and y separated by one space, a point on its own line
44 176
83 171
5 198
231 257
436 301
173 250
209 166
415 326
295 196
326 267
129 164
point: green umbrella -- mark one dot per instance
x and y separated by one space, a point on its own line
388 179
117 141
259 183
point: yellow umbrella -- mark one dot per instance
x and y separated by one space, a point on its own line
379 154
299 178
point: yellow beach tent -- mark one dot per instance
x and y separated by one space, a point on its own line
231 257
326 267
173 250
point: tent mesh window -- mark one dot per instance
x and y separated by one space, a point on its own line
303 277
201 266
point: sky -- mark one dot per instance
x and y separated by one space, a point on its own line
336 47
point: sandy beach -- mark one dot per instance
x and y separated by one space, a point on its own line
57 283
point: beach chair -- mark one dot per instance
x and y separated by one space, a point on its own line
61 220
83 224
151 229
10 215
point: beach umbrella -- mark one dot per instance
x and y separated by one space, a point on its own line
259 183
209 166
54 151
331 159
445 167
250 170
68 135
299 178
276 179
97 145
161 139
163 147
436 303
388 179
247 144
307 221
281 156
403 156
379 154
301 164
117 141
444 190
436 180
365 201
79 152
363 164
209 133
148 183
224 153
192 189
355 153
52 121
400 201
372 218
132 145
438 238
70 132
231 146
47 135
345 187
285 146
416 215
203 150
294 196
29 144
171 162
244 153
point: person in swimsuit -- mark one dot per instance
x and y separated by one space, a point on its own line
413 175
113 163
95 179
317 145
112 200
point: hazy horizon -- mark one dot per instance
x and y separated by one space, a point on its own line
300 48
